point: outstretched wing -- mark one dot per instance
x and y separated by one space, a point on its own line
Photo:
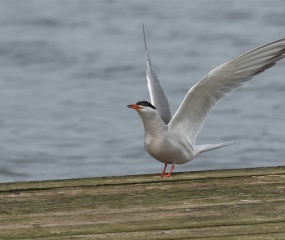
202 97
157 95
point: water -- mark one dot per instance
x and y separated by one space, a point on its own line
70 67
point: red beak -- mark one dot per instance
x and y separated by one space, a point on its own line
134 106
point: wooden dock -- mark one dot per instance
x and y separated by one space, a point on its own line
228 204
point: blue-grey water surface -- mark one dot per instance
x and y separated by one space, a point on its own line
70 67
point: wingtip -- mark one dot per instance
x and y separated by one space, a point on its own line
145 45
146 49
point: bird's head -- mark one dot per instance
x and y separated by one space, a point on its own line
149 116
143 107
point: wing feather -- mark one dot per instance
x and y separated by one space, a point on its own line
157 95
203 96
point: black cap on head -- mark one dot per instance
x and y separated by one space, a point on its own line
145 103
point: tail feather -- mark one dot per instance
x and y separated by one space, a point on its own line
208 147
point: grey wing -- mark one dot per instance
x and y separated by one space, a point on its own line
157 95
202 97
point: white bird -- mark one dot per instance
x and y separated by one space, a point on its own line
172 140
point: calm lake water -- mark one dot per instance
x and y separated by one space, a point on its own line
70 67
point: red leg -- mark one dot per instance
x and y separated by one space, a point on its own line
171 169
163 172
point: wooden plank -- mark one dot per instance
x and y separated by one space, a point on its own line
228 204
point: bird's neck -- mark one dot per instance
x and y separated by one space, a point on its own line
153 124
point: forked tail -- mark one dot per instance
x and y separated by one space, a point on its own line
208 147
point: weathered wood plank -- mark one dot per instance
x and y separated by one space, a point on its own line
228 204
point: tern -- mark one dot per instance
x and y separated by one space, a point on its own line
171 140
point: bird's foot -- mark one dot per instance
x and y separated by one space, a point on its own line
166 175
